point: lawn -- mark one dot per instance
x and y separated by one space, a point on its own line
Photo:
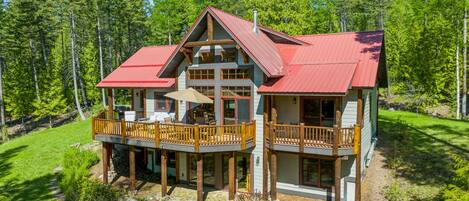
418 149
27 162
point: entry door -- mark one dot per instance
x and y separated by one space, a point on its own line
236 111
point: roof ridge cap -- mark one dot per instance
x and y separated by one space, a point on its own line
337 33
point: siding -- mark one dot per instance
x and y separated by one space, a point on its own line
150 102
349 109
182 165
258 106
181 79
287 111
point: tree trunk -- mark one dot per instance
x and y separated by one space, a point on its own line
75 87
101 70
464 85
43 47
80 82
458 106
36 85
2 107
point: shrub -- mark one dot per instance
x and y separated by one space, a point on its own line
394 192
459 187
93 190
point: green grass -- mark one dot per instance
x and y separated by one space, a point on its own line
27 162
418 149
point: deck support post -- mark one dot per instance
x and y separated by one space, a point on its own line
105 161
273 175
110 103
358 143
200 177
338 166
232 176
164 174
218 171
133 180
177 166
265 160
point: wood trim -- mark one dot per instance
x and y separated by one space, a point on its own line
164 174
358 173
132 104
144 94
200 177
212 42
110 102
132 176
337 175
209 27
360 107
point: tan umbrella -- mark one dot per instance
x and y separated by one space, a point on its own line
190 95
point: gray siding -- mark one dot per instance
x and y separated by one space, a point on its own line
258 116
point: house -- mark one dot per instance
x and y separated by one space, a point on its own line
290 114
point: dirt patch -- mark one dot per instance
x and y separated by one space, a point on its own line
286 197
377 177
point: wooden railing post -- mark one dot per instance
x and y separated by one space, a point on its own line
356 139
271 134
302 137
253 132
335 143
243 136
123 131
196 138
157 134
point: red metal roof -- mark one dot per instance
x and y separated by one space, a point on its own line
139 71
312 78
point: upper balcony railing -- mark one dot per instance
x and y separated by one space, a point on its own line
312 139
159 135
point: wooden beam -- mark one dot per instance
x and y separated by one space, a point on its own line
144 94
358 172
358 127
232 176
164 174
200 177
132 107
132 177
338 167
209 27
218 171
360 107
188 57
177 167
212 42
105 162
273 175
110 103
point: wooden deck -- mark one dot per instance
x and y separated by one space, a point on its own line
311 139
174 136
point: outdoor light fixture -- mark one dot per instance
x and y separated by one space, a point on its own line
257 160
294 100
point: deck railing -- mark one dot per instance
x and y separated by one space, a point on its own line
310 136
175 133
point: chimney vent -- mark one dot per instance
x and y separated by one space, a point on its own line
254 28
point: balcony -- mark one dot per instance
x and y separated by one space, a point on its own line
175 136
312 139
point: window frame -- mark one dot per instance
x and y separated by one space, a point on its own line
235 74
202 72
167 102
318 181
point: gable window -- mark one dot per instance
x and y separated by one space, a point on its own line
228 74
201 74
228 55
317 172
230 91
207 57
162 103
205 90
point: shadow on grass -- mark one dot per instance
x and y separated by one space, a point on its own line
14 189
417 156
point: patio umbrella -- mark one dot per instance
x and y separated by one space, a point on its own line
190 95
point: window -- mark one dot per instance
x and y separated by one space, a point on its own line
163 104
236 74
207 57
236 91
205 90
201 74
228 55
317 172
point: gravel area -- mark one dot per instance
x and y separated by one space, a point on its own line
377 177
